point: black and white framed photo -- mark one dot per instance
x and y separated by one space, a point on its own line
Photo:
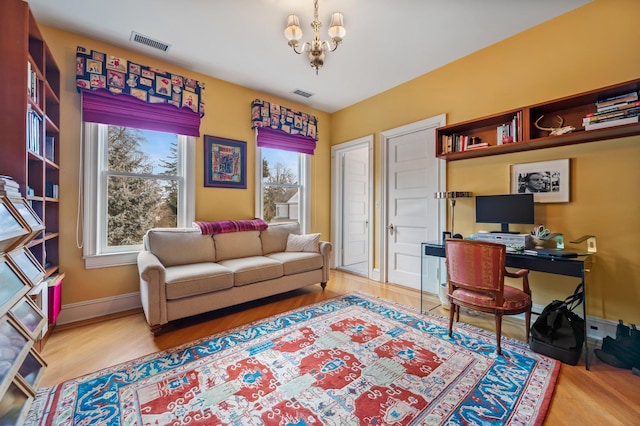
548 181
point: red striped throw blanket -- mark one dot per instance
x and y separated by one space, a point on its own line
223 226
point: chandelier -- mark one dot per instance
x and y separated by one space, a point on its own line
317 47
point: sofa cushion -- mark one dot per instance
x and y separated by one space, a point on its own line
306 242
236 245
295 263
180 246
274 238
253 269
198 278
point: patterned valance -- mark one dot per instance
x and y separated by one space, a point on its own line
99 71
268 114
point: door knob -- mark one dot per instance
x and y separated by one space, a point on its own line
390 228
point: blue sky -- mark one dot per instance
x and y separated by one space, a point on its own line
156 145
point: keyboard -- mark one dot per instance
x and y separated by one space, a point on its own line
551 253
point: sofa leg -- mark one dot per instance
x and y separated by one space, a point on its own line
323 285
155 329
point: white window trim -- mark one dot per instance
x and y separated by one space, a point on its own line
304 193
93 231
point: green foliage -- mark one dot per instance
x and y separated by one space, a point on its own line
135 203
170 207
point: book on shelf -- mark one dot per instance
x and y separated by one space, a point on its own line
8 182
51 190
616 100
34 129
611 123
9 187
510 132
612 115
616 107
10 193
477 145
49 148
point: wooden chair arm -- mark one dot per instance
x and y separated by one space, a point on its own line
522 273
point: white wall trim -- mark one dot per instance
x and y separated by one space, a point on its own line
74 312
597 328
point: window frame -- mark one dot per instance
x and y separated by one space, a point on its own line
94 250
304 174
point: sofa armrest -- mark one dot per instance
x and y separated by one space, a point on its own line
325 251
152 288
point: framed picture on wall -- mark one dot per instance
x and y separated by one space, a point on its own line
225 163
548 181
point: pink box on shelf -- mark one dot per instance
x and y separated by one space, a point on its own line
55 297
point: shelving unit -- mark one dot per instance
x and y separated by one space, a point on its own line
30 122
572 109
21 320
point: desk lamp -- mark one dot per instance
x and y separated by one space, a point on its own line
452 196
591 242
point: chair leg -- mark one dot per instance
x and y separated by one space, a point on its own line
452 309
498 334
457 313
528 322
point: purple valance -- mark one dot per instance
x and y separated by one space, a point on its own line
96 71
270 115
103 107
272 138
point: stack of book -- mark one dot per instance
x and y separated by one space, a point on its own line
32 84
9 187
510 132
34 130
458 143
614 111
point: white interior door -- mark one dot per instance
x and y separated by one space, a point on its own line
355 196
413 215
352 205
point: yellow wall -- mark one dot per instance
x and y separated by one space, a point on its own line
591 47
227 115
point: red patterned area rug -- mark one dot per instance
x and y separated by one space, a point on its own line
351 360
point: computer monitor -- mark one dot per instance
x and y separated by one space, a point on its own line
505 209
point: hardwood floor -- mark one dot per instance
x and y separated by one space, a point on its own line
604 395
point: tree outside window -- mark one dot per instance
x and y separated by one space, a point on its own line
142 184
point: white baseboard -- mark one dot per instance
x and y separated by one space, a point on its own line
597 328
375 274
74 312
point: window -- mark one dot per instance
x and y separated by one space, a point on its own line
283 184
134 180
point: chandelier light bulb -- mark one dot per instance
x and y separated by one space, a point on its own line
293 32
336 29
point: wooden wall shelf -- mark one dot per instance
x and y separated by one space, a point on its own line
571 108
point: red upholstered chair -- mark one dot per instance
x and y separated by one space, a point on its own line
476 272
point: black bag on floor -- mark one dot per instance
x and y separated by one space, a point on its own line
624 350
558 332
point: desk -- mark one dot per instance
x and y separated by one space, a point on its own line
572 267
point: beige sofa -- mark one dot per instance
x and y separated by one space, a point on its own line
184 273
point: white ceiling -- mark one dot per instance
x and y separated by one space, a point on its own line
388 42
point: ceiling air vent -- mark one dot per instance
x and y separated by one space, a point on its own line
302 93
147 41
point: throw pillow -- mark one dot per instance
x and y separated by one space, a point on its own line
306 242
